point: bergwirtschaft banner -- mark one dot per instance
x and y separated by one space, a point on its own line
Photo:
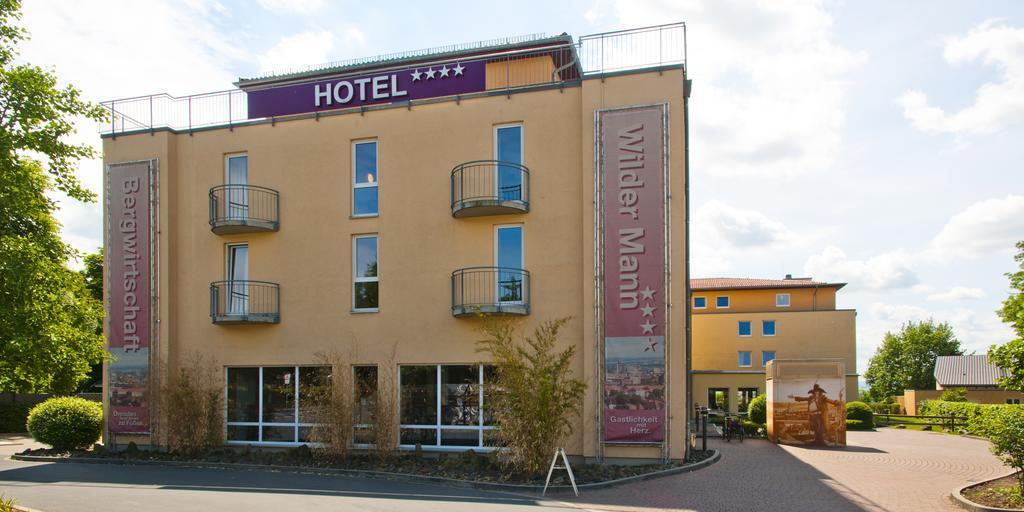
631 148
446 79
128 255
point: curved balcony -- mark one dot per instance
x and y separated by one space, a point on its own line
243 209
490 187
490 291
245 302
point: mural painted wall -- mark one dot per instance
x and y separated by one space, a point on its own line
806 402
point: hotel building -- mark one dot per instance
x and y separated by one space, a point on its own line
375 208
739 325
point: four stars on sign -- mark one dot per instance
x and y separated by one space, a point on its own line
444 71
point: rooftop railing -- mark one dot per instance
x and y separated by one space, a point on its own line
595 54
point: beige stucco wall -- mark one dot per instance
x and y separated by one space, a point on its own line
801 299
913 397
420 244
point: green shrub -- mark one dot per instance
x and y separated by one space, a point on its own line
856 425
954 395
13 417
862 412
1005 428
884 408
66 423
752 428
977 415
757 410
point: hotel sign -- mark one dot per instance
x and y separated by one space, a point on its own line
632 169
447 79
129 273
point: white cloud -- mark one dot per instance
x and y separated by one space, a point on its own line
996 104
292 6
770 93
957 293
981 228
887 271
721 232
298 51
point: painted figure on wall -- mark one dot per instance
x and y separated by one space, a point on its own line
817 410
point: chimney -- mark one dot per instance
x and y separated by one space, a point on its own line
789 277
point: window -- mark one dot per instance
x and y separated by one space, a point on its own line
700 302
237 272
262 405
744 396
744 328
722 302
718 399
365 278
508 149
768 327
767 355
236 176
782 300
743 359
442 405
1013 401
364 388
508 250
364 179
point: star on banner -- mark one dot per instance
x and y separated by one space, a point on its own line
444 71
430 73
648 327
652 346
647 310
416 75
458 69
647 293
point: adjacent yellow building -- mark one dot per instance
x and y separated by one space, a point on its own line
373 208
740 324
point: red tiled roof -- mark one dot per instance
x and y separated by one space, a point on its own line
731 283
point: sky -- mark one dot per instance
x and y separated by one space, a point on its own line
874 143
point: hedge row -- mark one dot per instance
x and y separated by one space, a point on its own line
13 417
979 416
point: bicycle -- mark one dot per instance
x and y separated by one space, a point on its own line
732 428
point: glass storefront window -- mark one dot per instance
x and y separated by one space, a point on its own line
262 405
441 405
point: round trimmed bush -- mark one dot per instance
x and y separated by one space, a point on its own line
862 412
66 423
757 410
855 425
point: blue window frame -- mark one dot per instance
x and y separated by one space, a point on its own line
768 327
722 302
700 302
767 355
364 179
743 359
744 328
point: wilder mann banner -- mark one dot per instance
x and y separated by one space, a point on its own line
632 163
129 272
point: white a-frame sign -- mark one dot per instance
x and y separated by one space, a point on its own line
565 466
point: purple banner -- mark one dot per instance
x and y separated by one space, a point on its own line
631 148
129 238
415 83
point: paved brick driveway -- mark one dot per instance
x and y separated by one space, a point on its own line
891 470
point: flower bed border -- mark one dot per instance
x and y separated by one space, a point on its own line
384 475
960 500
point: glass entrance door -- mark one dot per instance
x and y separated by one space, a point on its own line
509 256
236 176
508 149
238 274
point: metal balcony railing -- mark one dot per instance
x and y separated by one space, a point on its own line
245 302
243 209
490 291
508 70
489 187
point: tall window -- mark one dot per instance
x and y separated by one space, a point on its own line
767 355
238 274
365 277
364 404
264 404
508 149
236 176
744 328
443 405
744 396
782 300
768 327
722 302
743 359
700 302
364 179
718 399
508 251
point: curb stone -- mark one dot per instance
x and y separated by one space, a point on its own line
384 475
959 500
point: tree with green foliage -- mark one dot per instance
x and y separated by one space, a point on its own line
1010 356
48 319
906 360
